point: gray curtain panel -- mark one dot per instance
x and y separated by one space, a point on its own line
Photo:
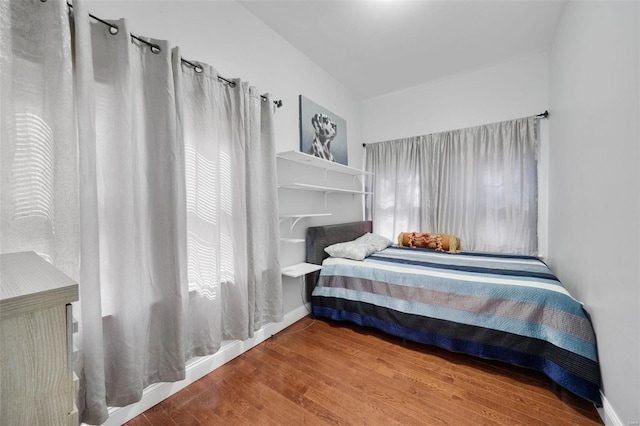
265 278
233 260
133 274
479 183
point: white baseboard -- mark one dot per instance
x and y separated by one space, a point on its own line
200 367
608 414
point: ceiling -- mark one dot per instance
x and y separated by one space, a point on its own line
378 47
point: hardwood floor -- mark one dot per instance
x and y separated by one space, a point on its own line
333 373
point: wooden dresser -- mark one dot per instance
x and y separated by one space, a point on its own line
37 385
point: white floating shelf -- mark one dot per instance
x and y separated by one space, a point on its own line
326 189
310 160
295 216
300 269
292 240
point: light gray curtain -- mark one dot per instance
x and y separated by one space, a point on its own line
89 362
265 278
212 125
131 187
263 230
232 243
479 183
157 193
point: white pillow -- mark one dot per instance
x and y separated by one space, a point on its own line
378 242
359 248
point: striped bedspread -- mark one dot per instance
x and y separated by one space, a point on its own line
508 308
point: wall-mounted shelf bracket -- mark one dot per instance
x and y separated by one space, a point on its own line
295 218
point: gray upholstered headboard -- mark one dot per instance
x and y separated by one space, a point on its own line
319 237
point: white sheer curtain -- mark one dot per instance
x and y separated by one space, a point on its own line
479 183
39 192
160 199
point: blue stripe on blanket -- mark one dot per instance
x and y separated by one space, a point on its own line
524 263
512 292
455 263
511 325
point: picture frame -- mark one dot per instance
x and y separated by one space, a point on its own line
322 133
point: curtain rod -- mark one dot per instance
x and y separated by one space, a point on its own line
113 29
541 116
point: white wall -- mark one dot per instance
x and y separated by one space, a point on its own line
224 34
594 199
514 89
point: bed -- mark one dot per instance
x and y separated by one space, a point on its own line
501 307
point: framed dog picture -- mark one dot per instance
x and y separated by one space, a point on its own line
322 133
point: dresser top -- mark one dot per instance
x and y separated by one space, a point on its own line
29 283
